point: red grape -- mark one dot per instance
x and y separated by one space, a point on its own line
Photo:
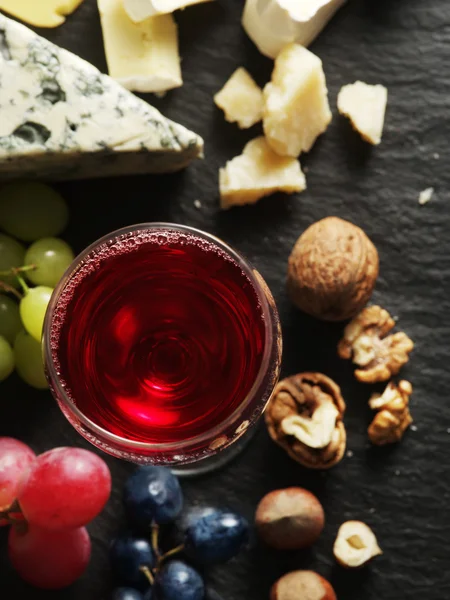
15 460
49 559
66 488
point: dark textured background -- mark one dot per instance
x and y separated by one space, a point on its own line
402 491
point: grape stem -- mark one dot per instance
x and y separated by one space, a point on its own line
170 553
23 284
155 540
9 288
148 574
14 516
17 270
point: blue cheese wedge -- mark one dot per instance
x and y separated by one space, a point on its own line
63 119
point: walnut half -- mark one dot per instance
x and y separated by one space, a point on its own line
367 342
305 418
393 418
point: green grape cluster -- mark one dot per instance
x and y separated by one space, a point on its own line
35 213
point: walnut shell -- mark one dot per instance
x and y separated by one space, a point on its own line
304 395
332 270
302 585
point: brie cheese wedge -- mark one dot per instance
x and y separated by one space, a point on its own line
139 10
272 24
365 106
296 109
143 57
40 13
256 173
241 99
63 119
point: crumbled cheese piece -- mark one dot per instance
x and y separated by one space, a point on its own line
426 195
365 106
139 10
256 173
40 13
272 24
241 99
143 57
296 109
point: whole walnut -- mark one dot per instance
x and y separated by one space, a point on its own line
332 270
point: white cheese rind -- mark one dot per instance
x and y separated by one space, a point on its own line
365 106
241 99
256 173
139 10
143 57
63 119
272 24
296 108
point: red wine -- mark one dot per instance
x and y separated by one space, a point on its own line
158 336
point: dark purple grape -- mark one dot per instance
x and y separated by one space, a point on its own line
153 495
179 581
215 537
128 556
126 594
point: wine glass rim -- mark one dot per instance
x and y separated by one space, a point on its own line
163 447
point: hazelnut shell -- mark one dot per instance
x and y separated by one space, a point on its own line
332 270
289 519
302 585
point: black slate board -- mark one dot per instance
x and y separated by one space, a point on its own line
401 491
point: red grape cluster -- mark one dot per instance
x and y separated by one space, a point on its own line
48 500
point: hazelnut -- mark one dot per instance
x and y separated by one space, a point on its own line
367 342
289 519
393 418
355 545
304 417
302 585
332 270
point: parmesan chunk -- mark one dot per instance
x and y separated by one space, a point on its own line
296 109
241 99
365 106
256 173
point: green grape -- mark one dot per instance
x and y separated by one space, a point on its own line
10 323
52 256
30 210
33 307
12 254
29 361
6 359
